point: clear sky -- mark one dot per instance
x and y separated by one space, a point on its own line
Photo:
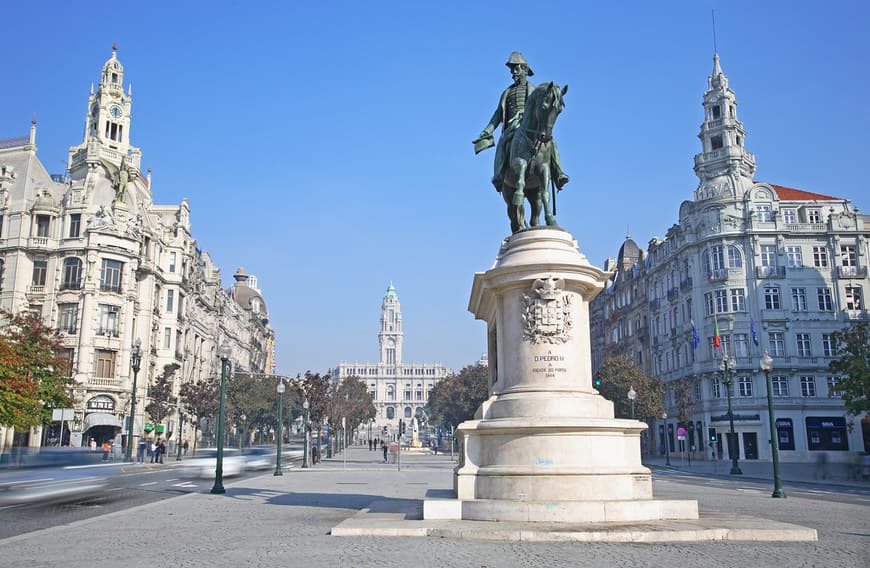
326 146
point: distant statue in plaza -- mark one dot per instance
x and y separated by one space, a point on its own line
526 157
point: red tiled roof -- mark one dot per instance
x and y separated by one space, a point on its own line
791 194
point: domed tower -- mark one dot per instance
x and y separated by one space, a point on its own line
390 336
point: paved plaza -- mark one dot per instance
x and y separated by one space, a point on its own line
288 520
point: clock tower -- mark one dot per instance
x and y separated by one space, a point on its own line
390 336
107 122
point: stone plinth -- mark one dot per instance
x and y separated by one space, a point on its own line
545 446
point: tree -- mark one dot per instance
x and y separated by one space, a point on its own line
33 378
618 375
352 401
255 396
200 399
162 402
853 367
457 397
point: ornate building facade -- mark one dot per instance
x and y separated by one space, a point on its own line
751 267
399 390
92 254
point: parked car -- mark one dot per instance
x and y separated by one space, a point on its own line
203 464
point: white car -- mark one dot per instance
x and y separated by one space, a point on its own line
203 464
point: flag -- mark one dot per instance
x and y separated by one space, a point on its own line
233 292
754 333
696 340
717 341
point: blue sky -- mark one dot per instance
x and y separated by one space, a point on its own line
326 146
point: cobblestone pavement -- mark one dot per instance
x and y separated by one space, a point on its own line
285 521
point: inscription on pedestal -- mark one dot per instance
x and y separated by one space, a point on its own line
550 365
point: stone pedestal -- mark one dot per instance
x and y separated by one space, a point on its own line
545 446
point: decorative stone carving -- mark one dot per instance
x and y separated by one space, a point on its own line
547 317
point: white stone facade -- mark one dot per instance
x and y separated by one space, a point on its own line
775 269
399 390
94 256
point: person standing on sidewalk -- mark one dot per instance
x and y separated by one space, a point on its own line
384 447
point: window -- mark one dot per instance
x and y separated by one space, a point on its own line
735 259
799 299
167 337
408 412
771 298
789 216
780 385
107 320
803 344
853 298
391 413
40 267
820 257
826 301
407 392
814 216
717 112
170 300
68 315
715 142
715 389
418 393
72 274
832 388
744 386
172 259
110 275
763 213
793 257
768 255
738 300
391 392
777 344
721 297
68 358
808 387
105 364
75 225
42 224
848 256
709 306
828 345
717 260
741 345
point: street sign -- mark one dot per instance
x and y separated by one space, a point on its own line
681 433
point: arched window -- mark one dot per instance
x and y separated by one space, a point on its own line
391 392
391 413
72 274
408 412
735 259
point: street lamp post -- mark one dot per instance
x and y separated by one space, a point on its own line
224 352
242 433
280 426
728 364
136 363
180 429
667 444
766 365
305 434
632 394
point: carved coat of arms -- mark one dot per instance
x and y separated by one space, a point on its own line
547 314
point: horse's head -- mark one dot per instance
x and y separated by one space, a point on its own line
547 101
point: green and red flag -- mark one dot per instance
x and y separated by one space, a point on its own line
717 340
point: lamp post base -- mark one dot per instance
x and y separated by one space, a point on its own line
218 489
735 470
778 493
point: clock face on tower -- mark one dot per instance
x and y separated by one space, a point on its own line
115 111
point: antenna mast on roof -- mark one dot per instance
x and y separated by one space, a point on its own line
713 14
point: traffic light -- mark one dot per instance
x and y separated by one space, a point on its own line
597 382
401 427
712 433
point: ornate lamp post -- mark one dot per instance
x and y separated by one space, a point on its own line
136 358
766 365
280 426
632 394
224 352
180 429
242 433
728 364
305 434
667 442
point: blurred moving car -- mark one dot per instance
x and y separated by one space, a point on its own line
52 474
259 457
203 464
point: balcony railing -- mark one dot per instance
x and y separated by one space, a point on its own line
805 227
76 285
110 288
38 241
718 274
854 315
852 271
108 332
686 284
36 289
770 271
103 382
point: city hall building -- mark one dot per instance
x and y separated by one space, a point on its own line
399 390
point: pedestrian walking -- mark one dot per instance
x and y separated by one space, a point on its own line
384 446
140 450
184 447
106 448
153 450
93 445
161 450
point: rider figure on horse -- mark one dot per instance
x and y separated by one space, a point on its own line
509 114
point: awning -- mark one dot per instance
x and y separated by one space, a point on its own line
101 419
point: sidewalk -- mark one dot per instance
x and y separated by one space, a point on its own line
839 474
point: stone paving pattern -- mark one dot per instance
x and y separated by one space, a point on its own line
286 521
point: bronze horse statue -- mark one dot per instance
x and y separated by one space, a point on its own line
528 174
